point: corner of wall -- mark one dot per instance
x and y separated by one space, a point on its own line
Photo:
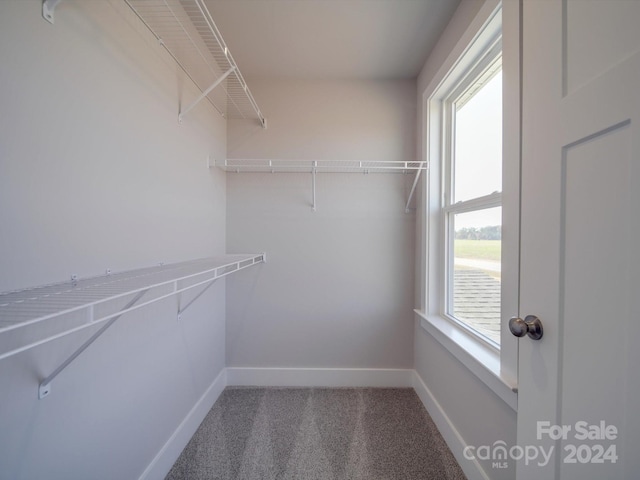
171 450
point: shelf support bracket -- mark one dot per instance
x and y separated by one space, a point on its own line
313 185
182 309
205 93
45 386
413 187
48 9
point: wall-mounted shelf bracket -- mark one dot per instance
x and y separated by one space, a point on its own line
69 307
313 185
181 310
205 93
45 386
261 165
186 30
424 165
48 9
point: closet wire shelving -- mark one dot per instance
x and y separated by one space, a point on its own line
313 167
329 166
62 309
187 31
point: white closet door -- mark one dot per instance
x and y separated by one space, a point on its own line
580 260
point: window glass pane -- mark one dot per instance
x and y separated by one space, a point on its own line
477 166
477 246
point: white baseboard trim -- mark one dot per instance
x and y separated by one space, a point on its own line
319 377
171 450
310 377
471 468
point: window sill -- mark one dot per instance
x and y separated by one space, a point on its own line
478 358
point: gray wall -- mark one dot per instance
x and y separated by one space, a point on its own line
96 173
337 288
475 411
479 415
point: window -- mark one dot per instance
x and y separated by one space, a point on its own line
469 208
464 197
472 198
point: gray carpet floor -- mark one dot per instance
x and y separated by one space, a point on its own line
317 433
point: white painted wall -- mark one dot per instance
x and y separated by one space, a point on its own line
337 288
474 411
96 173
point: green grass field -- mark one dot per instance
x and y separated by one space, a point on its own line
481 249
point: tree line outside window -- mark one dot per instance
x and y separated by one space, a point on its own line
483 233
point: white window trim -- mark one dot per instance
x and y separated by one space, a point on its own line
472 68
479 358
496 368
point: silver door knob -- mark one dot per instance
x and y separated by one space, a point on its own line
531 325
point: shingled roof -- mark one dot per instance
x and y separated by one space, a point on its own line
476 300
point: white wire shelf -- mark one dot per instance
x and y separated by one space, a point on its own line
58 310
243 165
187 31
328 166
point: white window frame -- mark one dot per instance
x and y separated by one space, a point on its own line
497 368
478 66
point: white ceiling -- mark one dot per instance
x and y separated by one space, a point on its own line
329 39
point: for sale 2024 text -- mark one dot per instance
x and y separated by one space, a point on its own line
582 431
